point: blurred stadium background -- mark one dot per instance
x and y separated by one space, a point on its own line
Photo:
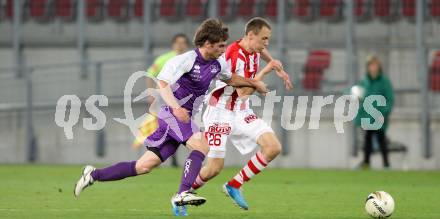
49 48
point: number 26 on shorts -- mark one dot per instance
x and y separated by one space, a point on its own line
214 139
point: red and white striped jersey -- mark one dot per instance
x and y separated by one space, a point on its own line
242 63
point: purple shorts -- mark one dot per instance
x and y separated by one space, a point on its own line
170 134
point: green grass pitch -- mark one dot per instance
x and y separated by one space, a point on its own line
40 191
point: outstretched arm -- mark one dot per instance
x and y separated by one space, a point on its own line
278 67
267 57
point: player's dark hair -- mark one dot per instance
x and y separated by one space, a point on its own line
211 30
256 24
180 35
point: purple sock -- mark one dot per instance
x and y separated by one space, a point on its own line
115 172
191 169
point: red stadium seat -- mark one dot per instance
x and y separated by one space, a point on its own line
436 60
435 8
170 9
317 62
196 9
312 80
362 10
359 7
434 73
226 9
39 9
409 8
118 9
434 70
318 59
9 9
434 82
65 9
303 9
382 8
435 64
270 9
246 8
385 9
138 10
94 10
330 8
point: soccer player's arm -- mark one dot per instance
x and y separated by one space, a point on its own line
278 67
235 80
272 64
170 73
246 91
267 57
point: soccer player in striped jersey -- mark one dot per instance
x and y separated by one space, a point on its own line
183 83
228 115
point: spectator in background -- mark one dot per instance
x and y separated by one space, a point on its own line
375 82
179 45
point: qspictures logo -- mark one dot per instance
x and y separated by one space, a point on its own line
345 109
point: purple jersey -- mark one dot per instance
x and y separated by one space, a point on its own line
190 77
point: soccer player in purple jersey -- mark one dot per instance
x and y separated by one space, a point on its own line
183 83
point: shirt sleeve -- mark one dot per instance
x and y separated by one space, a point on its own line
176 67
235 60
225 72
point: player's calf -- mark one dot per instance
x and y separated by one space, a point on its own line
193 164
213 167
271 151
270 146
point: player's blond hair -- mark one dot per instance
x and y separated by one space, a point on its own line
256 24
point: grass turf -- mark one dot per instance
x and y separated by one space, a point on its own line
40 191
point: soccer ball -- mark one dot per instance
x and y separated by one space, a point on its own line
379 204
357 92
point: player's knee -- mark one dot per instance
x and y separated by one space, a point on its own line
142 167
202 148
198 142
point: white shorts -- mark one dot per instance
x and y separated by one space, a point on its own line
243 128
